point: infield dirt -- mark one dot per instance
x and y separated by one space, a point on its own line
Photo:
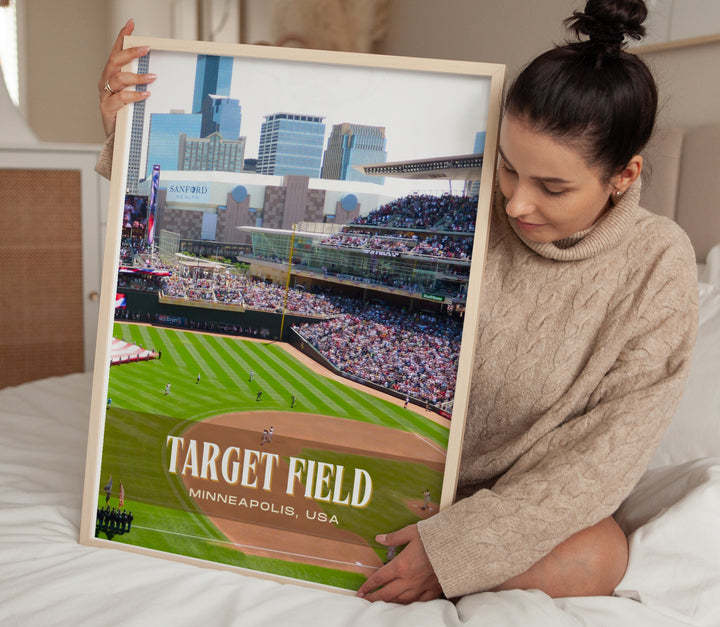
293 527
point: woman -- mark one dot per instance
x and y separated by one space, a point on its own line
587 323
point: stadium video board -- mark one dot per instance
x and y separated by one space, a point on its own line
294 254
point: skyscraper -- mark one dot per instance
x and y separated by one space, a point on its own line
136 131
213 111
291 144
221 114
478 148
350 145
164 138
213 75
211 153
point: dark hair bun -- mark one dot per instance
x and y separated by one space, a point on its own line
608 22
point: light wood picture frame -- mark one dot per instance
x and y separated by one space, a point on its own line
292 271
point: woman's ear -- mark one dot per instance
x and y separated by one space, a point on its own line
629 175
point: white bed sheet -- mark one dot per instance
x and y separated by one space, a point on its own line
47 578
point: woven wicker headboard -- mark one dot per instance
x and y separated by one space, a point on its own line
41 274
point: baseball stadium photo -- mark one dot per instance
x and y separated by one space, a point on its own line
287 325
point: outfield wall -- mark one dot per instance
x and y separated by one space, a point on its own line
147 308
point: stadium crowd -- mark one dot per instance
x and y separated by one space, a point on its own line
413 354
444 246
251 293
416 213
426 212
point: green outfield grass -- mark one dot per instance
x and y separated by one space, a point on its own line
224 364
179 533
140 417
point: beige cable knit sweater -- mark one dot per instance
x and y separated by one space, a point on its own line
104 163
583 349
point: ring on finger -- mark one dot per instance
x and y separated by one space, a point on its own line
109 89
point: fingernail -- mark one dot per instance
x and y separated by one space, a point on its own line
381 537
144 49
150 77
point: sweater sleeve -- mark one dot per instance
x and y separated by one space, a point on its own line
579 472
103 166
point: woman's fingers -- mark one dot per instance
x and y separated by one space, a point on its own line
122 80
110 105
113 75
127 29
113 82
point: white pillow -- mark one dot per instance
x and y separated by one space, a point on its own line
709 272
695 429
673 518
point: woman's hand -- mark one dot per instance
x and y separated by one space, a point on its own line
406 578
113 81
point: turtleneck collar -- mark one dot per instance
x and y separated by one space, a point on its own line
604 235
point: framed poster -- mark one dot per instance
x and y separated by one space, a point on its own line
294 251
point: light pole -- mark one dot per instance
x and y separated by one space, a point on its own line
287 281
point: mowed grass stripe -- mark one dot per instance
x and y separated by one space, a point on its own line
130 386
342 398
351 403
176 352
278 373
255 356
356 404
275 385
328 396
235 354
193 362
232 366
181 372
145 391
297 378
229 366
194 347
148 339
222 369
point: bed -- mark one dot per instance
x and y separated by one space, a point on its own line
47 578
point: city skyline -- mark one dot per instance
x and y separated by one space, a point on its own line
419 121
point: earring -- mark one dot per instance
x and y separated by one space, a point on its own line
618 193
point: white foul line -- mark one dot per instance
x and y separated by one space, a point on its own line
260 548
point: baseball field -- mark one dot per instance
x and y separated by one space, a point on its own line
304 440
